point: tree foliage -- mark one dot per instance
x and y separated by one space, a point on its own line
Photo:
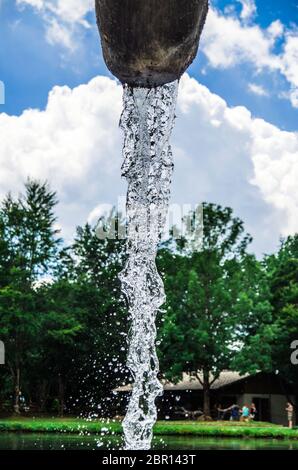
217 301
64 321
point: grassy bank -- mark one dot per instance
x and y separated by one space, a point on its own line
170 428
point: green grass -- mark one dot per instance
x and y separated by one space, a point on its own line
170 428
58 425
226 429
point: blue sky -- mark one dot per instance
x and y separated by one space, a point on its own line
248 57
30 66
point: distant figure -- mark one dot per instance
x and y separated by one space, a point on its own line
245 413
289 410
235 413
220 413
253 411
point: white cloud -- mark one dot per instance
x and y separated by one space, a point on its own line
236 151
57 33
228 41
39 4
74 143
249 9
222 154
257 89
276 29
62 18
289 66
70 11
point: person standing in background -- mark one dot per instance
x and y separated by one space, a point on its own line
289 410
245 413
253 411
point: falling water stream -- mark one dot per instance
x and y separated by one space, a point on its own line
147 121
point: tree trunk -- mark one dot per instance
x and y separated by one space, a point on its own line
43 394
61 395
16 406
206 392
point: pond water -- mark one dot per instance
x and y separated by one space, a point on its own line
22 441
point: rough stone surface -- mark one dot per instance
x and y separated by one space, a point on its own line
150 42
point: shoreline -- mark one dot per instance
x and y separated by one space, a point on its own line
162 428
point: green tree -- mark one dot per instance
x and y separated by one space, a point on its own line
28 248
253 306
283 272
99 254
62 322
212 302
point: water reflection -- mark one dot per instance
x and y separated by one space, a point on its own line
21 441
